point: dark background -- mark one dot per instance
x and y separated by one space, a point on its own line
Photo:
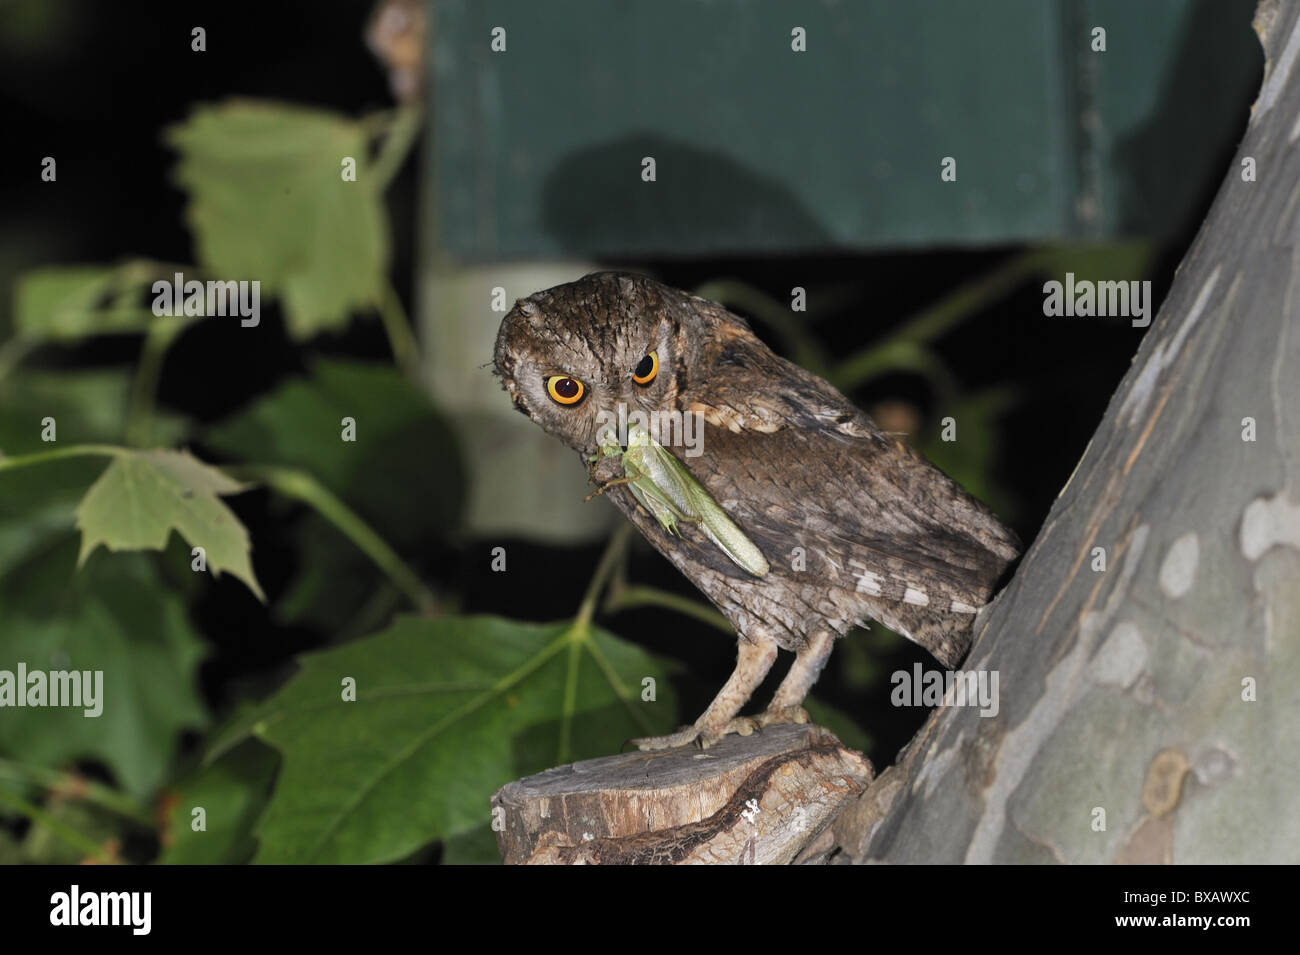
93 83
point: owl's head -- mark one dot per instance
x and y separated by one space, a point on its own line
569 353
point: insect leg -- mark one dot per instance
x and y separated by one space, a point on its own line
607 485
662 502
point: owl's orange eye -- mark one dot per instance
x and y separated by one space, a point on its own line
565 390
646 369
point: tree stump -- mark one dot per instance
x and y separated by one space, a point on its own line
766 798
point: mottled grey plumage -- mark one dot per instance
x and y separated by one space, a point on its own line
884 534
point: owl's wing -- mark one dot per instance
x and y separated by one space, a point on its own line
796 464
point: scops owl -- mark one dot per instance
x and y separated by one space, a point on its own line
851 523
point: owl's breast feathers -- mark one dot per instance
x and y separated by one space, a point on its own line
854 524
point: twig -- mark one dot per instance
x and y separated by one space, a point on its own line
74 451
625 597
406 349
402 132
144 388
609 561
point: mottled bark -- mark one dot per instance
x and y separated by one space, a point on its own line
1148 711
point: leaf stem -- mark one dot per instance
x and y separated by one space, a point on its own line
78 787
75 451
570 704
604 569
401 133
930 323
301 486
406 349
58 827
625 597
378 608
579 635
620 690
144 387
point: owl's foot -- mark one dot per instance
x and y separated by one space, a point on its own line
683 737
783 714
704 737
701 738
753 660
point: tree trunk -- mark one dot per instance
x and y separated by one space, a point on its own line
1147 713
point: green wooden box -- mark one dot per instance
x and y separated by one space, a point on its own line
538 149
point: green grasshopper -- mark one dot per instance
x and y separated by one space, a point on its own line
670 492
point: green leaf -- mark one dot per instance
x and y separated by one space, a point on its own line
67 303
268 203
402 473
446 712
114 617
37 505
89 406
144 495
232 792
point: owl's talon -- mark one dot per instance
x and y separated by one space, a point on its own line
685 736
783 714
744 726
702 738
